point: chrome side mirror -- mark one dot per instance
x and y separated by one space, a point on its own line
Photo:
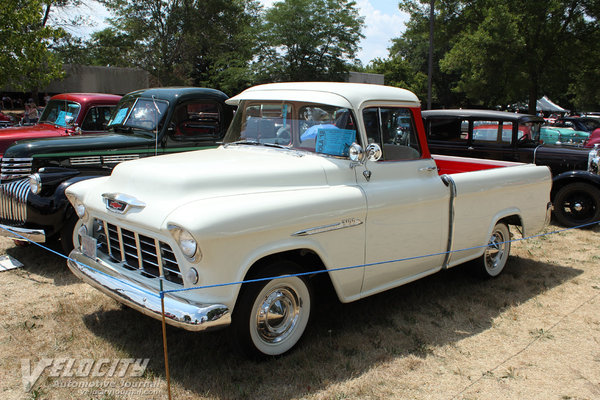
373 152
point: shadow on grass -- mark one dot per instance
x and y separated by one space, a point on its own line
343 340
39 261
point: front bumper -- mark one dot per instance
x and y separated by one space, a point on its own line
179 312
24 234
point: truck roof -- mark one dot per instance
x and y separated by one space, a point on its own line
86 97
482 114
341 94
179 93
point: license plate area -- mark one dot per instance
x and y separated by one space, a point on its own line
89 246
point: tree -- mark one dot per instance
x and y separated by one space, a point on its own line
189 42
26 61
516 50
309 40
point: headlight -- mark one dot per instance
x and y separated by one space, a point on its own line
594 160
35 183
186 242
80 209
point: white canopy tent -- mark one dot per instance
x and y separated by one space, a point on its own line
547 105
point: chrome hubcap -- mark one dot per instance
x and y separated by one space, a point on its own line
278 314
578 207
494 251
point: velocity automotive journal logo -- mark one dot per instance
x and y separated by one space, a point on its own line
83 368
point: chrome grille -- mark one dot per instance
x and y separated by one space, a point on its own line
13 201
136 251
111 159
15 168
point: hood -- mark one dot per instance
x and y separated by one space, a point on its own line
562 157
11 134
76 145
224 171
165 183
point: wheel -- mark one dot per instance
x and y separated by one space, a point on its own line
67 235
270 316
577 204
494 258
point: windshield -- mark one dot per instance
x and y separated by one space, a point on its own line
60 112
146 114
310 127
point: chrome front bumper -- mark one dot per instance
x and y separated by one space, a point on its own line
33 235
179 312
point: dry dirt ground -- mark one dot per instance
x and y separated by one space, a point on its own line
532 333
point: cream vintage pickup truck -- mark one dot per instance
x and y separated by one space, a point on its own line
310 177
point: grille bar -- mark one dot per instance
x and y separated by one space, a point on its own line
135 251
13 201
15 168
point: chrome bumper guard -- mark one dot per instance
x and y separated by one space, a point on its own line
179 312
33 235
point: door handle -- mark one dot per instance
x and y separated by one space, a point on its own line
428 169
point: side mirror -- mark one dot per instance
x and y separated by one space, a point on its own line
373 152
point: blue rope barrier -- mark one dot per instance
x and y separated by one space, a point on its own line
161 293
85 266
370 264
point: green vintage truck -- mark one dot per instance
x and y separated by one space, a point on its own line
35 173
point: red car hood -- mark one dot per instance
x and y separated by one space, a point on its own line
10 135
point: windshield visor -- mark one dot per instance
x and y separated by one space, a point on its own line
60 113
146 114
317 128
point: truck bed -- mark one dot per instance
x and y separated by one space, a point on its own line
455 165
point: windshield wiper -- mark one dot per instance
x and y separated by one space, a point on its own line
256 143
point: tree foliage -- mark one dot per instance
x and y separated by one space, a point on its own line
26 60
309 40
489 52
187 42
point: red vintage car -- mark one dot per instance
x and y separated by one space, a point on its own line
65 114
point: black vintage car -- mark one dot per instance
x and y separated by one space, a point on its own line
35 173
516 137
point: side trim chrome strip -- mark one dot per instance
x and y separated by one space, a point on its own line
346 223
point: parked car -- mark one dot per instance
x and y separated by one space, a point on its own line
576 182
5 120
586 124
563 136
65 115
147 122
312 176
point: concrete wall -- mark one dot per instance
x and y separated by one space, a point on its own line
363 77
83 78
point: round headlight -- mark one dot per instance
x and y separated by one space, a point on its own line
187 243
80 210
35 183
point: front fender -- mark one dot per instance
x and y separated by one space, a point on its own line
50 209
569 177
234 232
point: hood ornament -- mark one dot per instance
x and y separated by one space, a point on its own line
121 203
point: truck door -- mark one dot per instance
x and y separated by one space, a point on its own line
407 203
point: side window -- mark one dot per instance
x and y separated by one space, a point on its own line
448 129
198 120
487 131
97 118
507 130
394 130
